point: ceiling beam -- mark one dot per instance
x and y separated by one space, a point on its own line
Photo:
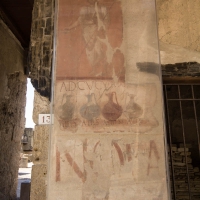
181 79
31 2
11 25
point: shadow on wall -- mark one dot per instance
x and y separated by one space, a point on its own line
149 67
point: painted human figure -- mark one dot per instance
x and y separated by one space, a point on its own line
93 19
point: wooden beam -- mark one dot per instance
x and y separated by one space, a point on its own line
31 2
11 25
181 79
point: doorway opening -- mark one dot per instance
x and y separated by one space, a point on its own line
182 105
26 157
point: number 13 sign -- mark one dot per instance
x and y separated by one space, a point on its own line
45 119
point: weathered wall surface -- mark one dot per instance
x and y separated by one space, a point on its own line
179 30
12 110
107 138
27 145
40 62
38 185
179 23
189 69
40 149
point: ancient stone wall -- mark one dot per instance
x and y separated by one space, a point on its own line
40 149
40 62
41 45
178 28
12 110
179 23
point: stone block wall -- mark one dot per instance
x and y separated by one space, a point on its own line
12 110
41 46
40 63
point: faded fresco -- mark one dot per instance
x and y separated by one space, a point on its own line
106 167
90 39
107 138
101 106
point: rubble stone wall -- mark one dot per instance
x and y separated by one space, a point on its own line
40 63
12 110
41 46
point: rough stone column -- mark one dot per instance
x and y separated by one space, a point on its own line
40 149
40 62
12 110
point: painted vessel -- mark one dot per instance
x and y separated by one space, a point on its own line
112 111
133 110
91 109
67 109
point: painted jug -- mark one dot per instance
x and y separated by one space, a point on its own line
91 109
133 110
67 109
112 111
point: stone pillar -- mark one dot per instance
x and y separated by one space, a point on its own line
40 63
40 149
12 110
107 141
